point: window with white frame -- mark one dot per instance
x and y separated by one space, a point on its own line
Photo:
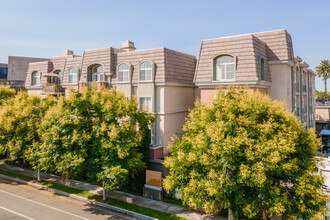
73 75
36 78
145 71
97 73
123 73
145 104
224 68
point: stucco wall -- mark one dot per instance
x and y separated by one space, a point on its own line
207 95
126 88
322 113
280 88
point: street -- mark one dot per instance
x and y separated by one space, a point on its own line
18 201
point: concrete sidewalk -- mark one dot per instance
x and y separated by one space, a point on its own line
126 197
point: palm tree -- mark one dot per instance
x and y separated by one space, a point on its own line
323 70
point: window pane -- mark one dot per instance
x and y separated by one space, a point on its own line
224 68
94 77
223 71
142 75
125 76
100 69
148 74
120 76
73 70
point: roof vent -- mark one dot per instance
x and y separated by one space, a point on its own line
127 46
67 53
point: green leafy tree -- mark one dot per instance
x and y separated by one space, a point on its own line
323 70
19 120
98 135
6 93
247 153
322 95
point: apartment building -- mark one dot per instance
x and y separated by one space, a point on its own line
161 79
167 82
264 61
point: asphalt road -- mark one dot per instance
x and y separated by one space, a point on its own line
19 201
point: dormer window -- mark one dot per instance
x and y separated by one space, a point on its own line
123 73
36 78
145 71
224 68
97 73
73 75
262 68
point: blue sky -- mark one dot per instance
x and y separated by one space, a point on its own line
40 28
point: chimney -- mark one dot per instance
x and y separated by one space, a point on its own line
67 53
127 46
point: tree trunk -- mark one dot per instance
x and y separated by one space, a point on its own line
38 175
325 86
265 215
104 197
63 178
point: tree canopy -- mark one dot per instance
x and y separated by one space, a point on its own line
247 153
19 122
98 135
6 93
323 71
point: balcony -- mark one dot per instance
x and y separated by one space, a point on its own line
52 88
304 88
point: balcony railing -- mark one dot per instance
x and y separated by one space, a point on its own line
304 88
52 87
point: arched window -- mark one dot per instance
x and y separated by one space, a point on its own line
73 75
123 73
60 76
36 78
145 71
262 68
97 73
224 68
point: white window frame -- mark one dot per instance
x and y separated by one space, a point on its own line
145 69
36 80
125 73
73 74
150 105
217 77
98 75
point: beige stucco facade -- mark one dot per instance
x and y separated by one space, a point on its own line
170 87
262 61
259 61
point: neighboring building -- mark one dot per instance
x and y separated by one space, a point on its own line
17 69
3 71
262 61
162 80
322 112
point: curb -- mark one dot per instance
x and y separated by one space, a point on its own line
100 204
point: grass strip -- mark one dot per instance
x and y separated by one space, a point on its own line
16 175
114 202
173 202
